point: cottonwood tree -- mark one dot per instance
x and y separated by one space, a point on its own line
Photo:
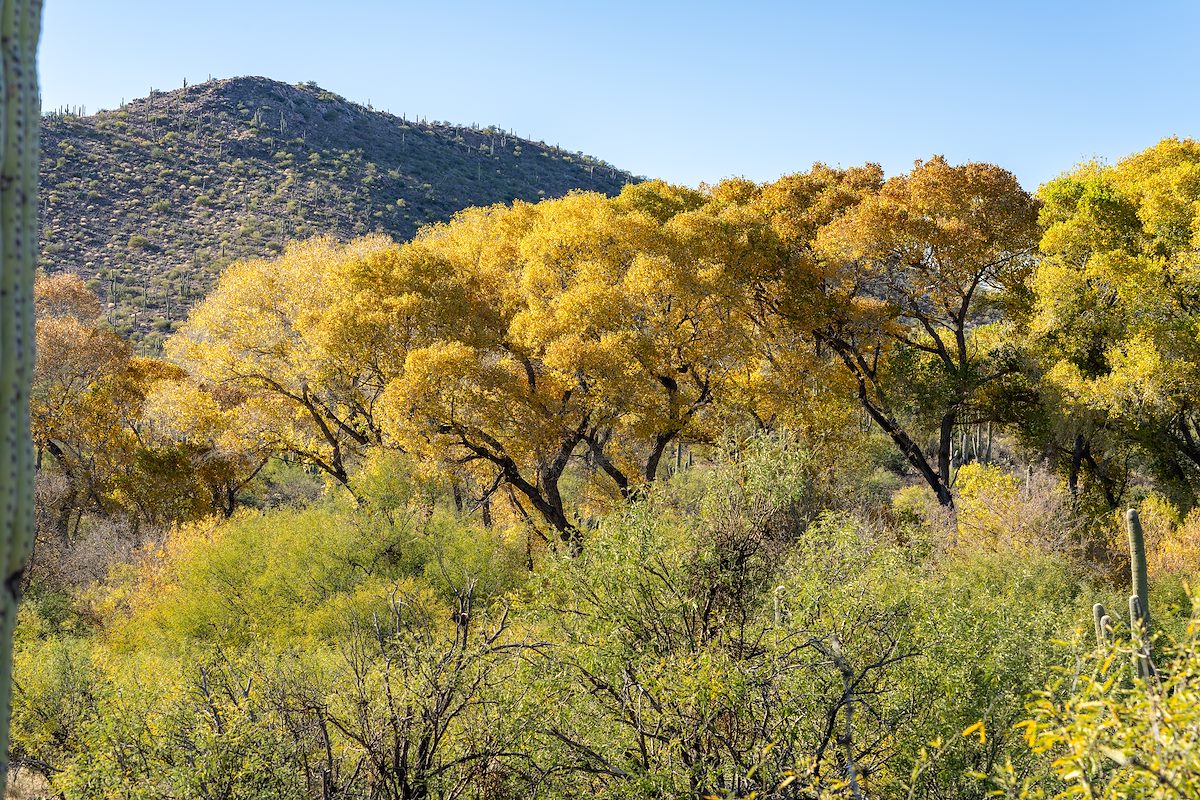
131 436
582 327
69 414
265 332
207 432
902 283
786 382
1117 307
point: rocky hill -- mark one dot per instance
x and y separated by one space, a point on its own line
149 202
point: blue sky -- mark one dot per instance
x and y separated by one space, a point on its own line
687 91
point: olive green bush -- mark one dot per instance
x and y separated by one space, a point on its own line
719 637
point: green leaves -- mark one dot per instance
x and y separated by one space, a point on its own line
1117 304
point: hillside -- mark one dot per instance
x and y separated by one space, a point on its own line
149 202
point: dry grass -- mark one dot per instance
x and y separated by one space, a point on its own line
26 785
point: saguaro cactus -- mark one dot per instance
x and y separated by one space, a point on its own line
20 123
1103 625
1139 603
1137 568
1142 667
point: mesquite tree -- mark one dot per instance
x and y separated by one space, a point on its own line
20 120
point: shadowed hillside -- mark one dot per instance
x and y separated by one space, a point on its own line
151 201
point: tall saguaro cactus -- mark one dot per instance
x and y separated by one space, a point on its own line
20 124
1139 601
1138 574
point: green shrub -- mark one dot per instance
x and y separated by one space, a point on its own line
1108 737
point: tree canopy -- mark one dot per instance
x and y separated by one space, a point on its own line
1117 301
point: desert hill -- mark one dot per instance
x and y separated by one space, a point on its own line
150 201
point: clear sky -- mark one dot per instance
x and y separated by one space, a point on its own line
687 91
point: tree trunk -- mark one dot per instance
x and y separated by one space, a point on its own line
913 452
1112 494
62 523
1073 471
878 411
656 453
555 512
946 448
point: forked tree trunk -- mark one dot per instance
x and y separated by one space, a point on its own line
20 122
937 474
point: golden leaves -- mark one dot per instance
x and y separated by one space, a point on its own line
65 295
614 325
1118 289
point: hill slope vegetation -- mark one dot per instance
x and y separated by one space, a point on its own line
151 201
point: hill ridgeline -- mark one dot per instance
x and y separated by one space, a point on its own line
151 201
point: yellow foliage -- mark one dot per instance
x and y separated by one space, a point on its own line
1115 294
130 435
276 331
1172 541
996 511
64 294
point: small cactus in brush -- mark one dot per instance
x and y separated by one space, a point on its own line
1103 623
1139 602
1137 568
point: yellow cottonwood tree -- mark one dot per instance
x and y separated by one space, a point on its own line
114 425
898 281
64 294
1118 308
73 354
268 331
582 327
207 432
476 387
